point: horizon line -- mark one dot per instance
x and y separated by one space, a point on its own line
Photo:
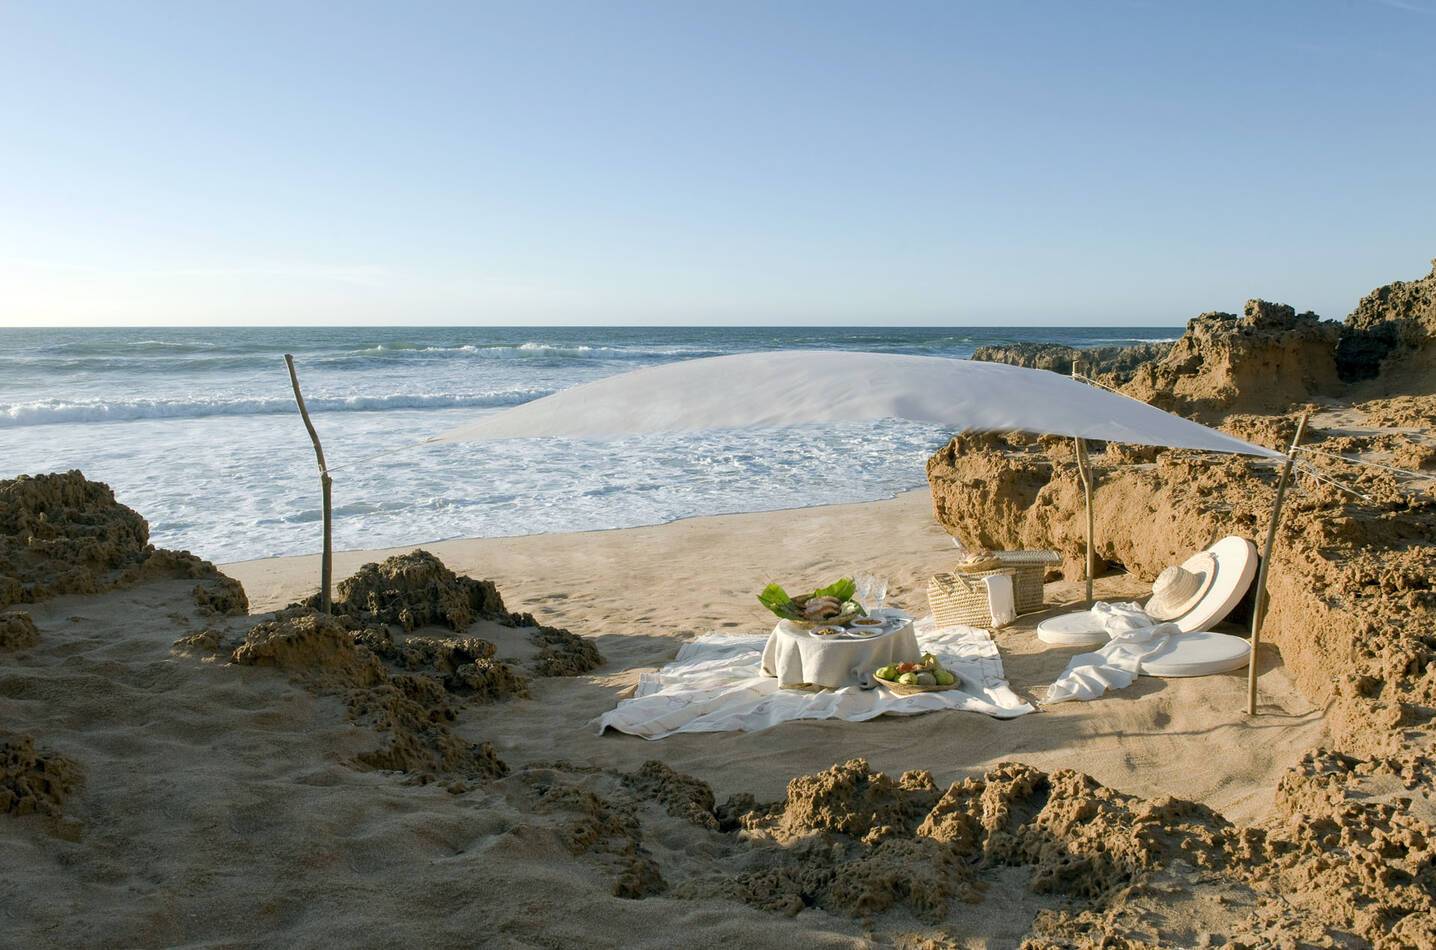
600 326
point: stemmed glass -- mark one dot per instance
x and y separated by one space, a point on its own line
872 591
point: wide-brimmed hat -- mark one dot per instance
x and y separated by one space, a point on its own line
1178 589
1205 587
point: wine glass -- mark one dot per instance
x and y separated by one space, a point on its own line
872 591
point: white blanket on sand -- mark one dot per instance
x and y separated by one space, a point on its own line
715 685
1135 636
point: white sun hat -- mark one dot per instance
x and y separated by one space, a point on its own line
1179 588
1200 592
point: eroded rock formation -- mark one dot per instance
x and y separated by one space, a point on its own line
1352 607
1113 365
407 686
1266 360
412 590
410 712
1329 867
1392 333
33 781
63 534
416 589
17 631
1352 594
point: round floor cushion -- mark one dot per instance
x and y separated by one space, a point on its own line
1080 629
1198 654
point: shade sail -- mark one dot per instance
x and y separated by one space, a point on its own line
805 387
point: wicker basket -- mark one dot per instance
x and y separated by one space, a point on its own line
902 689
961 599
1029 566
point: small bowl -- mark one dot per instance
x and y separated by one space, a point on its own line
828 631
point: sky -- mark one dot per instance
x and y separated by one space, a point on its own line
720 162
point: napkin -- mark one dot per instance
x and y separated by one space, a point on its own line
1000 600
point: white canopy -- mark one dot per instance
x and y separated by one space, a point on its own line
804 387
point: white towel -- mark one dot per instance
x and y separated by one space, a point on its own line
1135 636
1000 599
1122 618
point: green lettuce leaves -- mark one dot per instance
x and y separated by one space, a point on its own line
777 600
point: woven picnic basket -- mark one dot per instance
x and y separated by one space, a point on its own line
961 599
1030 567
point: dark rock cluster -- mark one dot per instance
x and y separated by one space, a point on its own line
64 534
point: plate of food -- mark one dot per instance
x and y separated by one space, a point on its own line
869 626
831 606
926 676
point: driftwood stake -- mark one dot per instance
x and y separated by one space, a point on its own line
326 569
1259 604
1084 472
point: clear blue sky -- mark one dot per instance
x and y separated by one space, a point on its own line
709 162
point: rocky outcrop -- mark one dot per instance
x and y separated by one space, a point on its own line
1392 333
1113 365
1331 867
412 590
63 534
406 685
416 589
33 781
17 631
1352 590
411 713
1352 603
1266 360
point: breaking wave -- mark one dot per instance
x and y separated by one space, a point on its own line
50 412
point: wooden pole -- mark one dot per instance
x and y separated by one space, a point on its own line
326 569
1084 472
1259 604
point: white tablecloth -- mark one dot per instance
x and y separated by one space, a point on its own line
714 686
796 657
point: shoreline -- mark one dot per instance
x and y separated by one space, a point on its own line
245 565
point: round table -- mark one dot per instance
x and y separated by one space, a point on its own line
798 658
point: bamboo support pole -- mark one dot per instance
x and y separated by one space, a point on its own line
326 569
1259 604
1084 472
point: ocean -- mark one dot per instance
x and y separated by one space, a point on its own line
197 430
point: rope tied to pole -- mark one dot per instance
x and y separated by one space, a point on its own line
1360 461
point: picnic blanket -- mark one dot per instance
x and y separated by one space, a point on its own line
715 684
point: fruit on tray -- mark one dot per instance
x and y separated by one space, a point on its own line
929 672
833 604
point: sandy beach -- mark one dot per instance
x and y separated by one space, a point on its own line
651 476
194 755
218 804
640 592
